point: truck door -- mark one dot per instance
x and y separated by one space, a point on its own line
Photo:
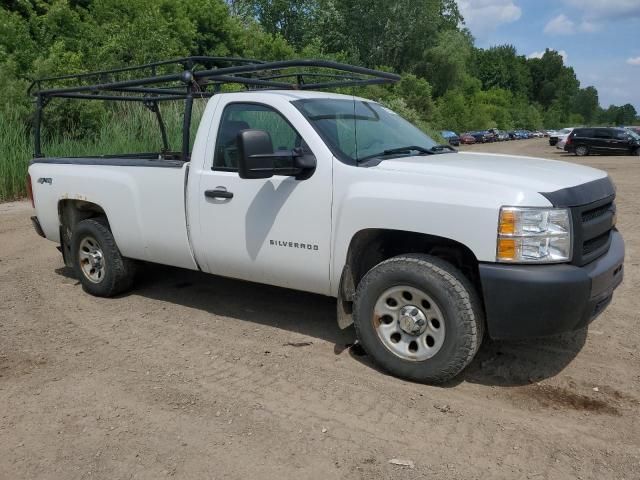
277 230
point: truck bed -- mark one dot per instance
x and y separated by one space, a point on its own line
143 199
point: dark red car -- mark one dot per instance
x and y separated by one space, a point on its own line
467 139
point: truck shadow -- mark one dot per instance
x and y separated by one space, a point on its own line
517 363
496 364
305 313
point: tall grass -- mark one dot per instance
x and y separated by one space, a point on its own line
15 152
125 128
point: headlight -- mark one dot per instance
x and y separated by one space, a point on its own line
534 235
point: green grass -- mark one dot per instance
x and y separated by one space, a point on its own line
125 129
15 152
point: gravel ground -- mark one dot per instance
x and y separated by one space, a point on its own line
193 376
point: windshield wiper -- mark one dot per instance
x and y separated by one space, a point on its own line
398 151
408 149
441 148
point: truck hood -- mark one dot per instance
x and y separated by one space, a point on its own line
519 172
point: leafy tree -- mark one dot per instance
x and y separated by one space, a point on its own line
623 115
552 81
446 62
501 67
454 112
291 19
379 32
585 103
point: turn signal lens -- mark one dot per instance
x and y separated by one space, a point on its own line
506 249
507 222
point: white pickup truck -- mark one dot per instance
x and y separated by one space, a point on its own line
425 248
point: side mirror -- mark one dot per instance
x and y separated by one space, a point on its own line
255 154
258 160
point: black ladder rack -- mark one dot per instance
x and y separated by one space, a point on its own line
195 77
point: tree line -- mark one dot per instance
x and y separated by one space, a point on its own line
447 82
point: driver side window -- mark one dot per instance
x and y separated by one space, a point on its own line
244 116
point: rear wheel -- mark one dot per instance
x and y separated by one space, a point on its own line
419 318
97 261
582 150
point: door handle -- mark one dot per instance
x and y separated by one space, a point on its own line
218 192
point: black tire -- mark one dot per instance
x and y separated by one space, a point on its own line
636 152
582 150
118 272
456 299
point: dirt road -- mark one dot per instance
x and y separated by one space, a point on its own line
191 376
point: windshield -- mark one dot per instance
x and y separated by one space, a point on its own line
358 130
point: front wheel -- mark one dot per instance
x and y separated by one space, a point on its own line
419 318
97 261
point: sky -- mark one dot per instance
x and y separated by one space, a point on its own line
600 39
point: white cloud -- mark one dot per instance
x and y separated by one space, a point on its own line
633 60
599 9
560 25
616 89
483 16
590 15
589 26
563 25
562 53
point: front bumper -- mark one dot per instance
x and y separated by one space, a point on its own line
527 301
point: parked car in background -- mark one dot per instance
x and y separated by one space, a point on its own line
499 135
559 135
467 139
451 137
482 136
496 134
491 135
602 140
562 142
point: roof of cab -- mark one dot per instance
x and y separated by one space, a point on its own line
301 94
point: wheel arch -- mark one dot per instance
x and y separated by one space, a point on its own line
70 213
371 246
